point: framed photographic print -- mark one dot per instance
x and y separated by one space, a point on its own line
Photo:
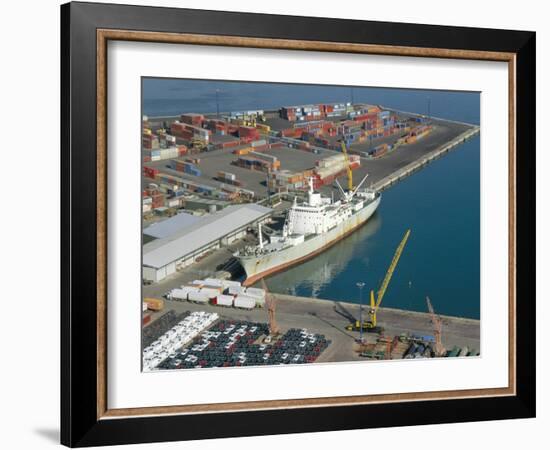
282 224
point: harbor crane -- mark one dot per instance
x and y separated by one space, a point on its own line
371 324
439 349
348 168
271 308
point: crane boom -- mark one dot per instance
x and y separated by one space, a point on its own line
370 324
348 168
271 308
437 326
391 269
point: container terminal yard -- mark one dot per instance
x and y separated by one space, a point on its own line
218 187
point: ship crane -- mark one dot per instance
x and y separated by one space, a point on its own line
371 323
437 326
350 194
348 168
271 308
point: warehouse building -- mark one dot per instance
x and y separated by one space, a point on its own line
169 227
163 257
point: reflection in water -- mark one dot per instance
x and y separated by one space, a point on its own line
311 277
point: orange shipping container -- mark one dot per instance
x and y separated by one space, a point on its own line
154 304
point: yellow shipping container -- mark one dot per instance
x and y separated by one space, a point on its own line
243 151
264 128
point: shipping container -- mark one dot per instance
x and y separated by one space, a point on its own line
236 289
244 302
224 300
180 294
154 304
226 176
192 119
197 297
257 143
211 291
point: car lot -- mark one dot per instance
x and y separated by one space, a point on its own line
231 343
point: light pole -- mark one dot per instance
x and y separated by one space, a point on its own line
360 285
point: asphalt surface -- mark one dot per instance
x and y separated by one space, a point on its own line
379 168
330 318
298 160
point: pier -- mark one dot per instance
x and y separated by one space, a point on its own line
413 167
330 318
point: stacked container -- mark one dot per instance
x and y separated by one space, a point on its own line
185 167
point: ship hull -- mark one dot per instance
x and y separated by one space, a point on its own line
262 266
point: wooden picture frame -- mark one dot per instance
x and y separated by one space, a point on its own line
85 30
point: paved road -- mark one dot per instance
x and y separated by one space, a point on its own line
443 132
330 318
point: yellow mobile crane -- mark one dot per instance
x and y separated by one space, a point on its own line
348 168
370 323
197 145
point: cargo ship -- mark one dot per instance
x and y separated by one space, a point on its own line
310 227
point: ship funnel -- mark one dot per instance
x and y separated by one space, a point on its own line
310 182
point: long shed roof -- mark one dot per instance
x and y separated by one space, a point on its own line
170 226
210 228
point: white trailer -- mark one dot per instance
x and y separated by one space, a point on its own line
225 300
229 283
197 297
258 294
244 302
211 292
178 294
236 290
213 282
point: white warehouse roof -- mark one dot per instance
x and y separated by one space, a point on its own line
172 225
212 227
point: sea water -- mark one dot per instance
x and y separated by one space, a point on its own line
440 203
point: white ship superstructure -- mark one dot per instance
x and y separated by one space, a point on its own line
310 227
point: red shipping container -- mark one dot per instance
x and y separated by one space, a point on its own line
249 132
150 172
157 200
192 119
230 144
